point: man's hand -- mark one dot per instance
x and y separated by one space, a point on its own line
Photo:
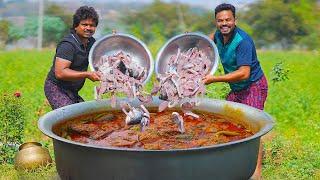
240 74
63 72
208 79
94 76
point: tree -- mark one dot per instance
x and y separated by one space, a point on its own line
57 11
15 33
283 22
4 33
168 16
53 29
157 39
55 25
309 12
204 23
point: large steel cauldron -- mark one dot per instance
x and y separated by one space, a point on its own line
184 42
234 160
112 44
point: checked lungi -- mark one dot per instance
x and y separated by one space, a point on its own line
58 96
255 95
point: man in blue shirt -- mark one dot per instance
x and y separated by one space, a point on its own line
240 63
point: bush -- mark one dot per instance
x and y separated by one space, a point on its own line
279 73
12 119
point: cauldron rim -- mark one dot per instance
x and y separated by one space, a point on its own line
44 127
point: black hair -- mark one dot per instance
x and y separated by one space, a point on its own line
223 7
83 13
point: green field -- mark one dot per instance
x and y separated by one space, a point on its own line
291 148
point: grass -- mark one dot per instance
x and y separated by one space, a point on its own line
291 149
294 151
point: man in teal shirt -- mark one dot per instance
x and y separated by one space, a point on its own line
240 63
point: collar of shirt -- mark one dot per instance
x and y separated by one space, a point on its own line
231 38
77 38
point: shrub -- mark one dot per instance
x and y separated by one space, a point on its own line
279 73
12 118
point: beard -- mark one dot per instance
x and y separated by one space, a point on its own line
226 29
88 34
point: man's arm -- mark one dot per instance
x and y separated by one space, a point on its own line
240 74
63 72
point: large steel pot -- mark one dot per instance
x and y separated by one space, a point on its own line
112 44
234 160
184 42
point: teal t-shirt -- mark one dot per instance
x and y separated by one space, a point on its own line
239 51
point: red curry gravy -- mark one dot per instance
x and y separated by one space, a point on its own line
109 129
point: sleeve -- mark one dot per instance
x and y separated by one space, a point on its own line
65 51
244 53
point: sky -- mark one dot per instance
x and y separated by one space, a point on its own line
209 4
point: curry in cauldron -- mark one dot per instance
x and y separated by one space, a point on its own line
109 129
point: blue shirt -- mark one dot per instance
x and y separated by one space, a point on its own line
238 51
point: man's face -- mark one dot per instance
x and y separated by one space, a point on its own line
225 22
86 28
